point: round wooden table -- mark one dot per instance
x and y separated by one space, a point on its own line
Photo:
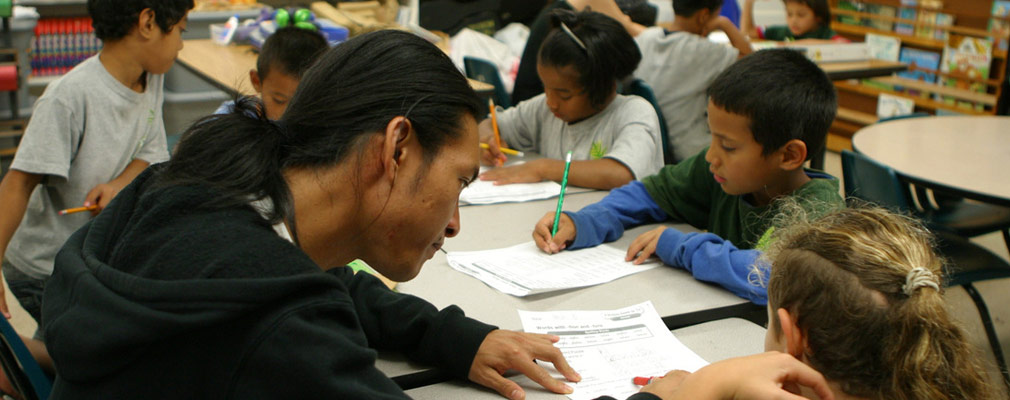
967 155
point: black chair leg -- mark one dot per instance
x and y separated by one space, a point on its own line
1006 238
990 331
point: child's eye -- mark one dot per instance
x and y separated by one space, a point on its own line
727 148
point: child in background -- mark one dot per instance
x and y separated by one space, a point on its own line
527 82
805 19
114 99
285 56
614 139
895 338
763 129
680 65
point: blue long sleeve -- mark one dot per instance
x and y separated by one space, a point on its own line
627 206
713 259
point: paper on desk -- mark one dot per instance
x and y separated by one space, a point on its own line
486 192
610 348
523 269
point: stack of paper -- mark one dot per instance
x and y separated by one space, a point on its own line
610 348
523 269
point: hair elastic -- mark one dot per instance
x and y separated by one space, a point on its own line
917 278
571 34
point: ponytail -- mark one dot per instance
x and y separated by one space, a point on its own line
597 46
864 284
238 155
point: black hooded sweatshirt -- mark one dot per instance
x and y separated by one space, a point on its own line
160 297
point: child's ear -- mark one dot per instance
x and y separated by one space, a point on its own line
254 78
146 23
795 340
794 154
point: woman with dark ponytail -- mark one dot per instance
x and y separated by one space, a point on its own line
614 139
221 273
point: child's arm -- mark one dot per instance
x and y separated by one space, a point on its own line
603 174
707 256
736 38
610 9
103 193
627 206
15 190
747 20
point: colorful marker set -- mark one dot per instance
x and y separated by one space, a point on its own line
62 43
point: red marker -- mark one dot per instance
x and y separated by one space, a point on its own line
644 380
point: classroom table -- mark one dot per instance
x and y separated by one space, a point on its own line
713 341
966 155
679 298
837 71
227 67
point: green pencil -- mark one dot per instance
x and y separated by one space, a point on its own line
561 197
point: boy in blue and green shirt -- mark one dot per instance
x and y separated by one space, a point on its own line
763 130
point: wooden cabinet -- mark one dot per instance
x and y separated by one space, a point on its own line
918 28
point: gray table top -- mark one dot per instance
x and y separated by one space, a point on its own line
673 291
713 341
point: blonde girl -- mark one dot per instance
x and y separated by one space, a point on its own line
858 295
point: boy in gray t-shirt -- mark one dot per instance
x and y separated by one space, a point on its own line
679 65
91 133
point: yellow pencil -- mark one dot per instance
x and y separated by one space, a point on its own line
494 122
77 210
505 150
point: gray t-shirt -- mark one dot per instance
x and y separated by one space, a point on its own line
626 131
85 129
679 67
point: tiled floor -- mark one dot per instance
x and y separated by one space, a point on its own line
996 294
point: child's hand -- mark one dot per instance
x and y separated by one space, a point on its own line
101 195
644 245
542 233
492 155
667 385
528 172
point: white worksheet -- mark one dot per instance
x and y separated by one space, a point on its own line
523 269
486 192
610 348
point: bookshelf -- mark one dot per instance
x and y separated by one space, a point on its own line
926 29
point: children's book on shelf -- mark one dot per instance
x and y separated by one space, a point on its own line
889 106
883 47
851 6
930 20
1000 28
881 10
905 28
965 60
919 59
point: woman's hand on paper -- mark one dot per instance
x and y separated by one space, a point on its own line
771 375
667 385
507 350
553 244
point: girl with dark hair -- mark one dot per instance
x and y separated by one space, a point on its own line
805 19
220 274
614 139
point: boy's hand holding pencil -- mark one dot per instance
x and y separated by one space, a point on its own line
553 244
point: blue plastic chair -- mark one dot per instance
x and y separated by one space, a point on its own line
871 181
485 71
19 365
639 88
